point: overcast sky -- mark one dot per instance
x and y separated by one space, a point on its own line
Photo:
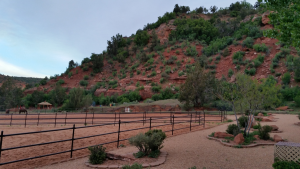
39 37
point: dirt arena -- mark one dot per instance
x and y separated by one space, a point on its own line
79 119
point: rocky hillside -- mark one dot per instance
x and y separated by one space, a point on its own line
20 81
168 67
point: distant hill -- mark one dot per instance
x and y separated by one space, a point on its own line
21 81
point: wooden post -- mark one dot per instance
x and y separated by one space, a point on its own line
221 116
11 119
204 118
66 118
115 118
72 140
25 120
150 122
191 122
143 118
93 119
173 125
1 140
85 118
55 120
38 120
119 133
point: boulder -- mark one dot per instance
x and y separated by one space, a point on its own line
239 139
265 18
274 127
282 108
266 120
277 138
222 135
257 137
260 114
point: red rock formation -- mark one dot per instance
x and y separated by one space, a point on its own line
222 135
239 139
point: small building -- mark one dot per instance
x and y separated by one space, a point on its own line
44 105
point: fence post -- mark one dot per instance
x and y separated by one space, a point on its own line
38 120
25 120
119 133
191 122
204 118
1 142
93 119
66 118
72 140
143 118
150 122
221 116
199 117
55 120
11 119
173 125
115 118
85 118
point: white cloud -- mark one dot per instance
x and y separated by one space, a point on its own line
12 70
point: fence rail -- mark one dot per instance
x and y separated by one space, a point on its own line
87 118
173 119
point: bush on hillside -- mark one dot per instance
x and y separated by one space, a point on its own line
233 129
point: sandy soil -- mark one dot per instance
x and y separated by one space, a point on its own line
194 149
22 140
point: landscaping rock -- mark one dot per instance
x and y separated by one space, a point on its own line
260 114
239 139
274 127
222 135
266 120
277 138
257 137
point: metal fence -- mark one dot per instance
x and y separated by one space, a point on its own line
88 118
171 120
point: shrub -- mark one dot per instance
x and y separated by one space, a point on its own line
180 73
133 166
230 72
70 74
83 83
286 165
216 45
97 155
286 78
248 42
233 129
138 72
139 154
260 47
238 56
256 127
264 132
85 68
162 80
297 100
243 121
159 136
218 58
225 52
155 89
250 72
156 97
60 82
86 77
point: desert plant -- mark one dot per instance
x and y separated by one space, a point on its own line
97 155
133 166
86 77
230 72
286 165
243 121
248 42
264 132
70 74
83 83
233 129
158 137
286 78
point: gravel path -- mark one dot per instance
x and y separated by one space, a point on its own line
194 149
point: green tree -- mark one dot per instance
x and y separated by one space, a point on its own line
141 38
285 18
76 96
97 61
286 78
37 97
296 67
213 9
10 94
114 44
176 9
57 95
197 88
87 101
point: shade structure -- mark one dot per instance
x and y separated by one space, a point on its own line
44 105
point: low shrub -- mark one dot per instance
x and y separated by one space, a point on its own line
230 72
70 74
260 47
139 154
286 78
133 166
85 68
162 80
60 82
255 126
264 132
97 155
156 97
233 129
83 83
248 42
243 121
286 165
86 77
225 52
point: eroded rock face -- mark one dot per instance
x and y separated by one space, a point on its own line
265 18
222 135
277 138
98 92
111 92
239 139
132 88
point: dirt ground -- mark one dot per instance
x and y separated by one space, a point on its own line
22 140
194 149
